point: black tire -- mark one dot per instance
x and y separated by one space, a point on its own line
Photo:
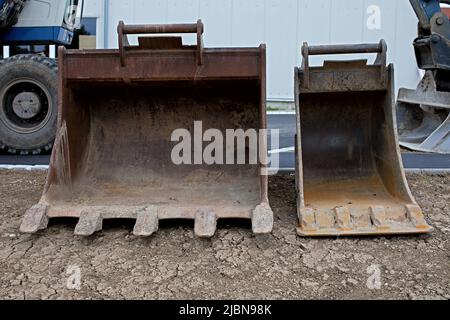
37 75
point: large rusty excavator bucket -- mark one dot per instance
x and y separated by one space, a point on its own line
118 112
350 177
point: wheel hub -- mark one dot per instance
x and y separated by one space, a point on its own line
26 105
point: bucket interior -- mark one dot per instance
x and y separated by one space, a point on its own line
349 157
121 150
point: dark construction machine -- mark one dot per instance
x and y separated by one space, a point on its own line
424 113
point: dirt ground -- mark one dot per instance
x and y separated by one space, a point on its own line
235 264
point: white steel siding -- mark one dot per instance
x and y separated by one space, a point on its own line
283 25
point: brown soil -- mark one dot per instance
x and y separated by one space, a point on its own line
235 264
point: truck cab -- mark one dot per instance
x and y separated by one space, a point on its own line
45 21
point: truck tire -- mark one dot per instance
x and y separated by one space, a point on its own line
28 104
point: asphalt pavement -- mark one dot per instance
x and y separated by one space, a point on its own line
285 122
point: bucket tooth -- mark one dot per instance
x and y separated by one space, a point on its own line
361 219
35 219
343 218
325 220
415 215
147 223
88 224
307 218
262 219
347 148
378 217
205 223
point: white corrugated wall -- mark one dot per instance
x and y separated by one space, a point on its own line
282 24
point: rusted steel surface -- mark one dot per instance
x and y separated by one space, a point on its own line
124 30
350 177
118 110
345 49
161 65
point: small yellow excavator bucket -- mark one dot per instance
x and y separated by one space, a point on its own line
350 176
119 109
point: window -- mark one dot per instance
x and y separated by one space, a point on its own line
74 12
25 49
85 37
90 26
